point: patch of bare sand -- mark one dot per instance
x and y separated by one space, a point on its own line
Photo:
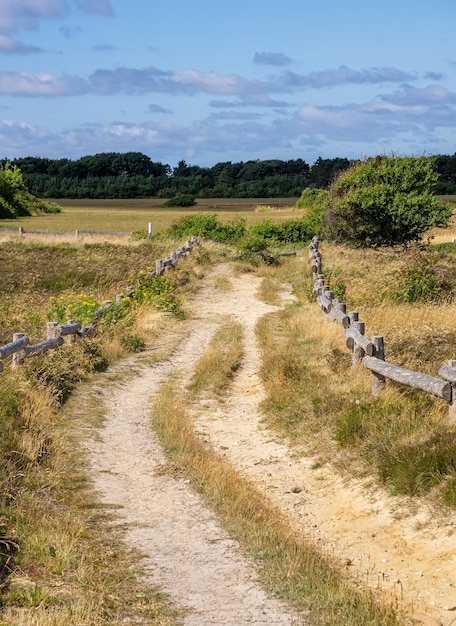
185 551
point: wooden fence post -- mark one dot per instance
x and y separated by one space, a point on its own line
19 356
378 380
448 372
74 336
358 352
51 330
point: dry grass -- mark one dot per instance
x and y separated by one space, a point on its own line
135 215
288 567
72 567
402 438
217 367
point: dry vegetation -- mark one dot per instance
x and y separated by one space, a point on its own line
67 564
135 215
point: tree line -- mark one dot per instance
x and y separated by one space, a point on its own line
135 175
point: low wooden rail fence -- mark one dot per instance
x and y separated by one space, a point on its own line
370 352
56 334
76 233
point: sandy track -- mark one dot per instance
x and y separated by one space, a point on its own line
187 553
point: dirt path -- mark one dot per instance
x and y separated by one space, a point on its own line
187 553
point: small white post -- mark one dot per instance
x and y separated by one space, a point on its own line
150 229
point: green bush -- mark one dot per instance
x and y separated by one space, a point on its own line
267 229
208 226
315 201
253 248
384 201
15 201
181 199
294 231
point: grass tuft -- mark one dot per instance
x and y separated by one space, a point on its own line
288 567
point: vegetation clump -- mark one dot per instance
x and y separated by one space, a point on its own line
15 200
385 201
181 199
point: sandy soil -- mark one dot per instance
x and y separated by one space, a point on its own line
376 537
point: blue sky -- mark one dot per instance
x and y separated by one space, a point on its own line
211 80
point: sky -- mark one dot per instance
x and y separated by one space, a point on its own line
209 81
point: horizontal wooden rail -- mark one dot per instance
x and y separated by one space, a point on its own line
354 337
425 382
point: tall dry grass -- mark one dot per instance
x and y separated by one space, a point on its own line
402 438
289 568
62 561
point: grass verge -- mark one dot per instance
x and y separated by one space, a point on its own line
289 568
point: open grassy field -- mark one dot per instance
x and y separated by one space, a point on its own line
133 215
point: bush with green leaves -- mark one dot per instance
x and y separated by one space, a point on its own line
208 226
267 229
384 201
181 199
15 200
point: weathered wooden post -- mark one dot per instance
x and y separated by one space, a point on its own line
330 296
358 351
21 231
51 330
448 372
159 267
19 356
378 380
73 337
339 313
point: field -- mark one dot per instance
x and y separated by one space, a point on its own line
133 215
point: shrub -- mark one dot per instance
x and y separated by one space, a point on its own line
252 248
15 201
207 225
181 199
267 229
294 231
384 201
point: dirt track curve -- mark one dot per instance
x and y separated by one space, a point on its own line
185 550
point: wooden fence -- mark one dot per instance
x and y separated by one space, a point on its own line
370 352
56 334
74 233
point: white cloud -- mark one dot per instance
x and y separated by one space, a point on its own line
41 84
